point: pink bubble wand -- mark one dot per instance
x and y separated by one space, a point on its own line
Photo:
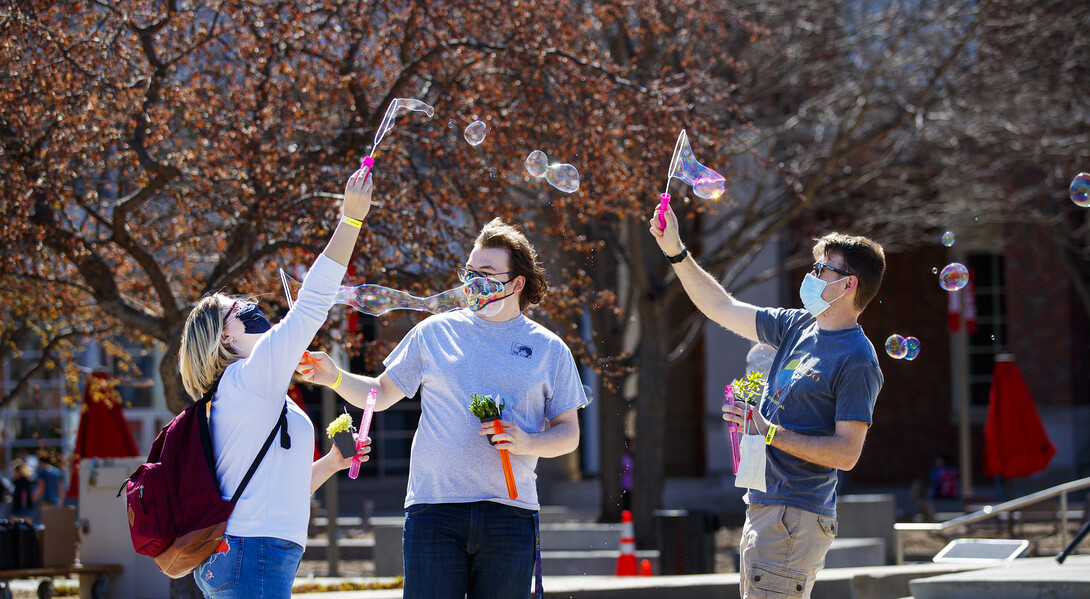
735 436
706 183
365 428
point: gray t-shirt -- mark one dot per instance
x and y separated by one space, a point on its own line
817 378
450 356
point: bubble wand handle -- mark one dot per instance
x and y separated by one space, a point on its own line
505 459
365 428
664 204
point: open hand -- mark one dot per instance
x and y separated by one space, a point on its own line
318 369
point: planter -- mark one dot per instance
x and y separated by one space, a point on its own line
345 443
489 419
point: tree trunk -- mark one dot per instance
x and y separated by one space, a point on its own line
611 408
648 480
175 394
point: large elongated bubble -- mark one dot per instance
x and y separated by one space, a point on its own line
561 175
705 182
399 105
377 300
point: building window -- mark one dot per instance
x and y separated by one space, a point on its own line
990 337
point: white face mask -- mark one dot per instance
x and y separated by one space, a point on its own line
810 293
751 467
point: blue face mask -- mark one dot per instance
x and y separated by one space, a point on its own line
810 293
252 319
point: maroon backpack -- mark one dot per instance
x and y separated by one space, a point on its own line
177 514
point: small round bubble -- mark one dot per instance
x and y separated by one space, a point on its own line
476 132
1080 190
954 276
564 177
895 347
912 348
537 163
948 238
935 270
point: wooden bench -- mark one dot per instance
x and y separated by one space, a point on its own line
94 577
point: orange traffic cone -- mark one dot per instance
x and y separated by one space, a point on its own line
626 562
645 567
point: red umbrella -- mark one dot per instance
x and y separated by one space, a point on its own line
103 430
1015 441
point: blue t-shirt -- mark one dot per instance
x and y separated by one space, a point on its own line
817 378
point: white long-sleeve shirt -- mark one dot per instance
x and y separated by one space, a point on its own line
247 404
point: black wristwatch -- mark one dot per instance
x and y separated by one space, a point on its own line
678 258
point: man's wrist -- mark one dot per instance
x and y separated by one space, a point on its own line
678 256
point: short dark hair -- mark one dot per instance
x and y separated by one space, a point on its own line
524 260
863 257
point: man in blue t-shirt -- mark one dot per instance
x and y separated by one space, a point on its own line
817 406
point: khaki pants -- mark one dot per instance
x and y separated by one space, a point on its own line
782 550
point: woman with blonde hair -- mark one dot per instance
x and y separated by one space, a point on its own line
231 352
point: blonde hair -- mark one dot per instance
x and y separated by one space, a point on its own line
201 357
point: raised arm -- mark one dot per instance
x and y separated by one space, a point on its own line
705 292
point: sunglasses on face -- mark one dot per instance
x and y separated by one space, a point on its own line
465 274
820 267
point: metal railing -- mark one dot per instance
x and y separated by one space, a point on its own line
991 511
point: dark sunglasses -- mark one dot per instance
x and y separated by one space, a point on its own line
465 274
820 267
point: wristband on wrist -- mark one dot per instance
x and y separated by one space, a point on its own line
770 434
337 383
348 220
678 258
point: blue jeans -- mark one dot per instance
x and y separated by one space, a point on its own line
480 550
252 568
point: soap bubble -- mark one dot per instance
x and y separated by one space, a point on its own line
1080 190
759 358
912 348
377 300
563 176
934 270
537 163
895 346
475 132
948 238
398 106
706 183
954 276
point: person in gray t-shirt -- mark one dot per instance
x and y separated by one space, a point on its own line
464 534
817 406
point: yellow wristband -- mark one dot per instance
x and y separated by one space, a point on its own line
770 434
337 383
348 220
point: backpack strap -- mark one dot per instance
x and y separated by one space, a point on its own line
282 426
206 440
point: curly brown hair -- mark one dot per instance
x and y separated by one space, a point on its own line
524 259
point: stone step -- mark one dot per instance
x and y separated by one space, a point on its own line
1017 579
580 536
351 549
592 563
